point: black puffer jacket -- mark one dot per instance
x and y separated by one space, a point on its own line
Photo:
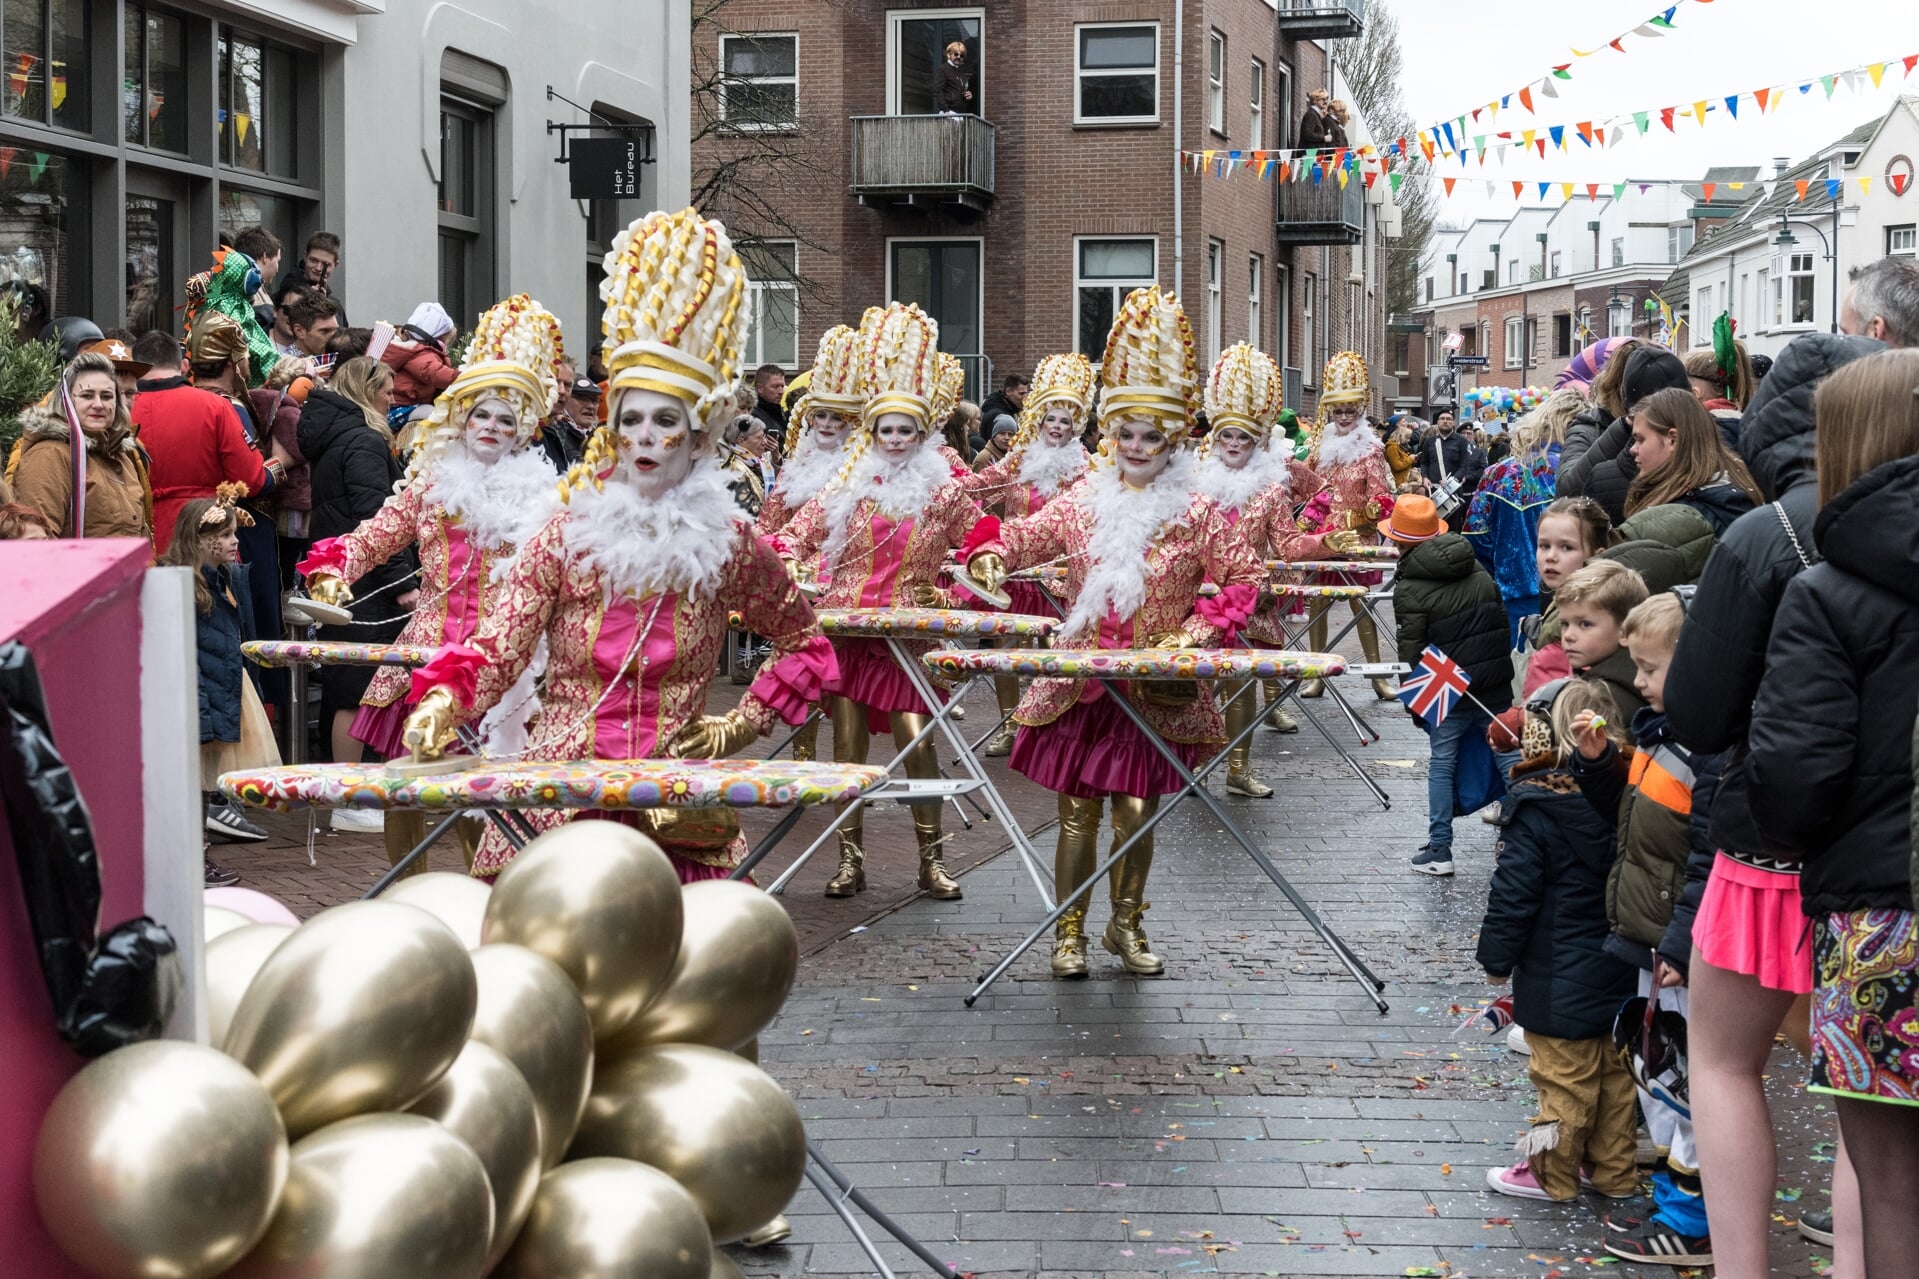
1443 597
1546 915
354 472
1719 503
1716 670
1830 764
221 630
1605 469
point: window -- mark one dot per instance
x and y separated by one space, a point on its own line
1256 120
1283 316
1619 318
1216 83
1215 268
1107 271
1401 353
916 53
1429 288
1462 281
1763 318
48 52
774 304
156 79
1515 340
467 242
1487 281
1512 272
1799 289
1255 279
943 278
1701 309
1743 315
1562 335
1555 265
1901 241
1678 242
1583 329
1283 100
760 81
1619 251
1118 74
256 105
1469 341
1308 302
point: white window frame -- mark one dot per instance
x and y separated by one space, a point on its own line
979 312
1255 300
1282 97
898 16
1080 74
757 292
1619 318
1679 241
1555 263
1515 339
1216 81
1762 295
763 126
1902 241
1283 314
1308 303
1582 325
1794 274
1119 288
1702 306
1256 106
1619 250
1215 299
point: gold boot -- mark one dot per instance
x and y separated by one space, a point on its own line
1277 718
1073 859
1006 694
1369 645
1124 936
1242 710
404 831
850 878
923 765
1316 641
806 743
849 747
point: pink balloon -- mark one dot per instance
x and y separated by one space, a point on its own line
256 906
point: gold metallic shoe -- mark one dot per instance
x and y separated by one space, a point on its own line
778 1230
1240 782
933 877
1280 721
1002 743
1383 688
1069 946
1369 645
850 878
1317 636
1125 938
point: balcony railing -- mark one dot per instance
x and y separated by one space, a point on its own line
1322 212
923 160
1322 19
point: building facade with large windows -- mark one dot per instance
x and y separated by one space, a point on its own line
133 136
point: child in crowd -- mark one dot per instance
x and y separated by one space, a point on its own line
1572 531
1444 597
1546 930
234 731
1651 794
1593 604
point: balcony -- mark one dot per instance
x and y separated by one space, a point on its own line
923 161
1321 19
1323 212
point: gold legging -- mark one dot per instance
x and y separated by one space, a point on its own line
1240 712
1078 849
405 829
850 742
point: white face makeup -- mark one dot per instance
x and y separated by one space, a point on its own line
896 436
1344 418
830 429
1057 426
658 445
1234 447
490 429
1142 449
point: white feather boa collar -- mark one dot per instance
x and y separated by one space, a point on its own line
641 547
1126 523
1234 489
503 503
807 473
1356 445
1048 468
897 492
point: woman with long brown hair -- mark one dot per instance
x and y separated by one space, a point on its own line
1682 458
119 497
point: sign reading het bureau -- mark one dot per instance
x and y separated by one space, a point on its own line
605 168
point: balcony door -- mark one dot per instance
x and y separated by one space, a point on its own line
943 278
916 46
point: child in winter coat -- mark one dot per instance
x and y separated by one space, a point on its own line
1656 796
1573 531
1593 604
1546 929
234 731
417 355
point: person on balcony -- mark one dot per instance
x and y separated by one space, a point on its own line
953 85
1316 128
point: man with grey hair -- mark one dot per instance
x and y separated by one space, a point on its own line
1883 302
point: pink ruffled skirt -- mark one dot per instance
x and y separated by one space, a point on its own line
1094 750
383 728
869 677
1750 922
688 870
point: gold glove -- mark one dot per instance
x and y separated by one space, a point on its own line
1174 639
926 595
430 727
1169 693
712 737
1374 510
988 569
329 588
1344 542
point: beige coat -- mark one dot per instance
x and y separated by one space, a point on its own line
119 499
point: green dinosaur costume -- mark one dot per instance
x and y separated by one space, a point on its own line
229 288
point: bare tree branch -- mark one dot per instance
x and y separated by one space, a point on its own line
1372 67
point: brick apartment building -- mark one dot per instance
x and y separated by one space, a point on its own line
1020 224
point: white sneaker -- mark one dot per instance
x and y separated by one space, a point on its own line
1516 1042
358 819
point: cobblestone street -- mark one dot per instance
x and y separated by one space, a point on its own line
1249 1113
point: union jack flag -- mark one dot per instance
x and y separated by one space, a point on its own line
1434 686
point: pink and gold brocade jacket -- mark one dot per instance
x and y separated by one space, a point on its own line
998 489
1362 493
1271 531
882 561
1200 546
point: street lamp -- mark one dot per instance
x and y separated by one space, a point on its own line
1618 313
1786 239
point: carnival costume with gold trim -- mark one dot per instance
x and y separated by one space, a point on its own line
1360 485
631 595
833 385
1135 562
882 533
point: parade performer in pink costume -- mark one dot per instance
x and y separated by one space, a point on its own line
1351 460
631 583
476 491
817 429
882 532
1138 543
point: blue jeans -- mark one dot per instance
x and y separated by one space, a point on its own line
1465 718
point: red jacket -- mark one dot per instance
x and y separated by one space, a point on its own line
197 443
420 370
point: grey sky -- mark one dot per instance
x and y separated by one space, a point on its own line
1462 53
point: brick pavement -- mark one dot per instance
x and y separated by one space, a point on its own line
1250 1113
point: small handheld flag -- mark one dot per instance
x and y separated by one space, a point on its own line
1434 686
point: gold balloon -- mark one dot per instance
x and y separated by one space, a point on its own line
233 961
716 1124
610 1219
458 901
220 921
738 955
361 1009
378 1195
600 900
484 1102
161 1160
529 1011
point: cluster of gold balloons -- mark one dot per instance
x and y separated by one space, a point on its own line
536 1081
